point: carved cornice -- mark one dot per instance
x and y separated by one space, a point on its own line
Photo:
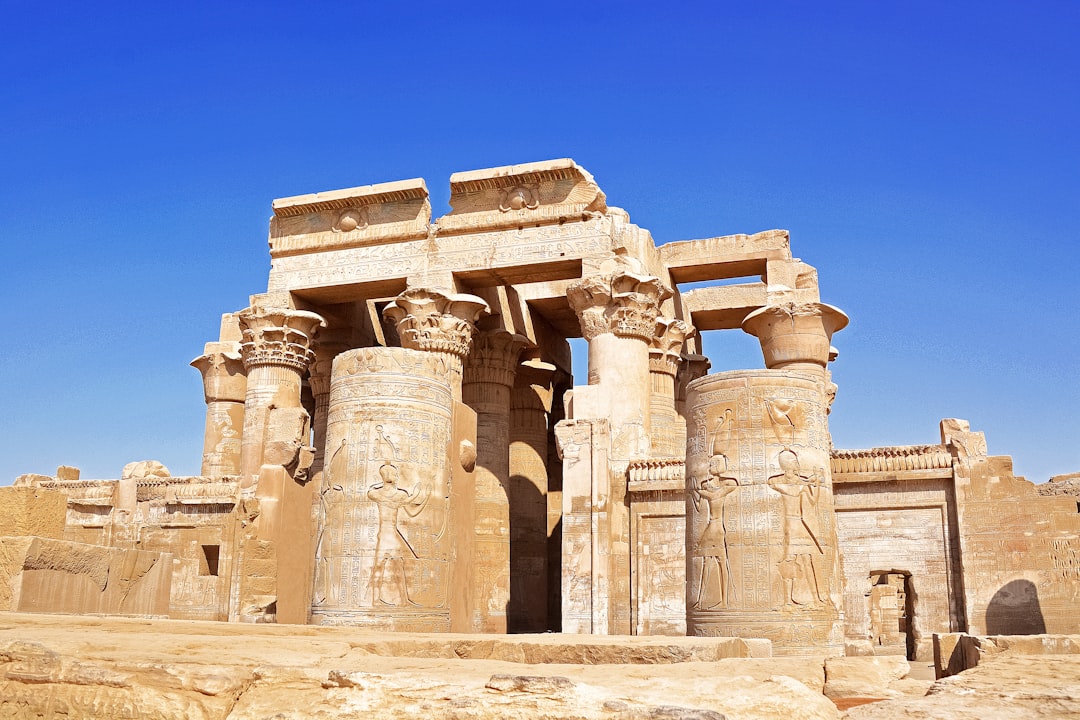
273 336
896 458
494 357
434 321
622 302
665 347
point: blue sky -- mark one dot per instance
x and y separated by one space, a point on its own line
925 157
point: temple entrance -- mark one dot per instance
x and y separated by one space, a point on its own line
892 613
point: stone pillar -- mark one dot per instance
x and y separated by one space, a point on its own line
386 540
617 310
487 380
762 559
439 323
224 387
276 350
530 525
325 352
796 336
665 354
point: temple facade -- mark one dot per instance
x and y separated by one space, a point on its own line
394 439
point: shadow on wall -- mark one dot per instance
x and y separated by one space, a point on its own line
1014 610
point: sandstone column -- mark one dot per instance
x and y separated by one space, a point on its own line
325 352
617 310
762 559
487 380
276 349
224 387
530 525
386 541
665 354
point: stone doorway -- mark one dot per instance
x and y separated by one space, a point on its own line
891 606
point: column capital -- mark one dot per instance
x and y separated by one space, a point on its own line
435 321
795 333
623 302
494 357
666 344
223 374
274 336
533 386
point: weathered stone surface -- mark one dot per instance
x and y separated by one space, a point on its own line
864 677
198 669
1012 687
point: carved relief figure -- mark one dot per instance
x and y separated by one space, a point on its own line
802 545
388 580
385 449
712 545
786 416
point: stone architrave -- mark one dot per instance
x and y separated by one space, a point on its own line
487 381
384 546
530 526
277 353
225 389
762 557
440 323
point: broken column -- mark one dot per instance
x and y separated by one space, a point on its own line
225 389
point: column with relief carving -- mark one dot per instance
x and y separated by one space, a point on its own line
224 387
325 352
617 309
487 380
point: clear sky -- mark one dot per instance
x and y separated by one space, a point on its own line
924 155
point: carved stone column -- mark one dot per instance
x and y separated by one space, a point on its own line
668 430
617 310
530 528
761 542
276 350
439 323
325 352
224 387
691 368
387 541
796 336
488 377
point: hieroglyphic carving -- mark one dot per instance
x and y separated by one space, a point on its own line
383 553
770 520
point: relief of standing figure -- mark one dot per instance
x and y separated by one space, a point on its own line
391 545
712 545
802 546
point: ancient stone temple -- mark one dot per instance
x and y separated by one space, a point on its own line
394 439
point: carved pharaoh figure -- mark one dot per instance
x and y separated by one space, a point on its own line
391 545
712 544
799 568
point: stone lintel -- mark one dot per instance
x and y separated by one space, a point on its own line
723 307
355 217
536 193
724 257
